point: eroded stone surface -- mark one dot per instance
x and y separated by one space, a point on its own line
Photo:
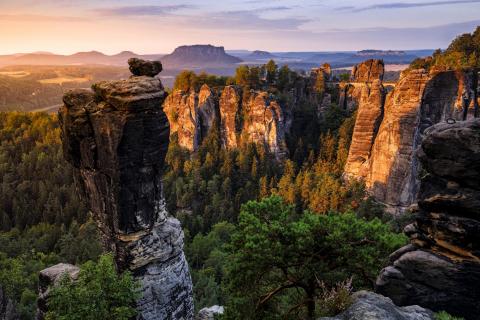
383 154
116 137
440 269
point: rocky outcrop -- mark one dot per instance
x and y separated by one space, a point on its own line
369 118
139 67
264 122
116 138
440 269
230 113
191 115
7 308
50 277
370 306
209 313
383 145
257 118
363 75
368 71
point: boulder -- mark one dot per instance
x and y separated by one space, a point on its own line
371 306
50 277
210 313
139 67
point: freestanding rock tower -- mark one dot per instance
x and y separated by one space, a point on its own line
116 138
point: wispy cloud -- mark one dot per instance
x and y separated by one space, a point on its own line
247 20
40 18
141 10
403 5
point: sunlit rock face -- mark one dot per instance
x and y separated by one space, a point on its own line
191 115
440 269
230 112
116 137
238 116
264 122
387 133
363 75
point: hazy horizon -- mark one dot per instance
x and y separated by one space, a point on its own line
158 26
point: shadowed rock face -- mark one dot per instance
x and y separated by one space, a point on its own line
440 269
383 147
116 137
7 309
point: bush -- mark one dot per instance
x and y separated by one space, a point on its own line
442 315
99 293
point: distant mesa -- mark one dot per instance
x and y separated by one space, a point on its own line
369 53
260 55
206 56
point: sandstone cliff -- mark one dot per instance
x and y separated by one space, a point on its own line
191 115
440 269
387 133
259 118
363 75
117 138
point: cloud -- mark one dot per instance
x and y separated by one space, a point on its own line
141 10
40 18
403 5
247 20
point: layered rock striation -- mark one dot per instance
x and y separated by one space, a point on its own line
440 269
116 138
253 116
390 126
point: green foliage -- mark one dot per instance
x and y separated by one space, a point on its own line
24 253
442 315
280 259
37 183
463 52
99 293
188 80
271 72
344 77
206 259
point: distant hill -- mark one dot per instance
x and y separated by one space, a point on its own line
260 55
79 58
203 56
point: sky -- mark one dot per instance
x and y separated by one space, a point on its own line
158 26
